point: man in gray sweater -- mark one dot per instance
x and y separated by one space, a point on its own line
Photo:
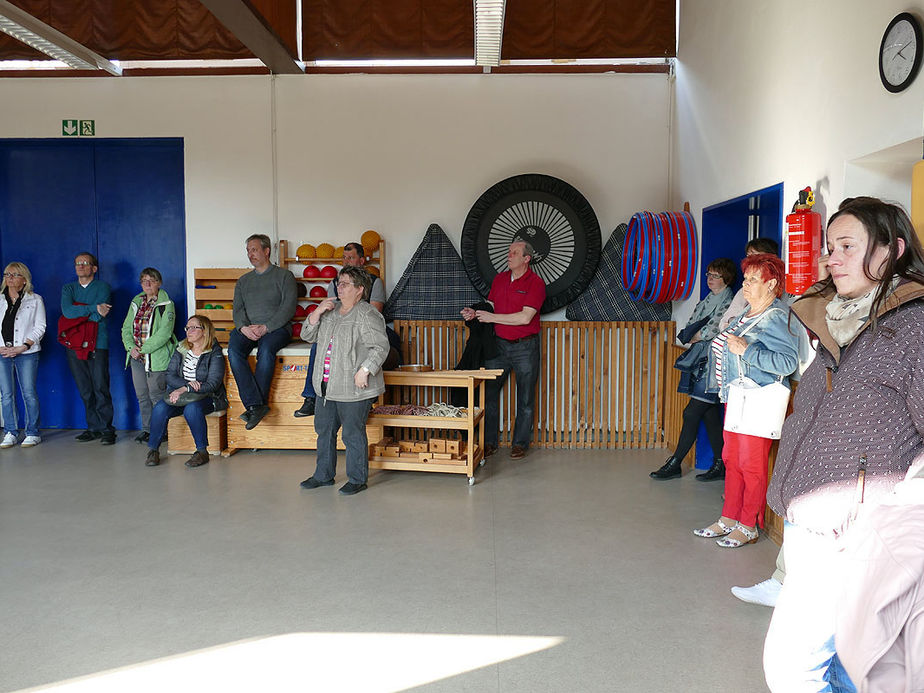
264 303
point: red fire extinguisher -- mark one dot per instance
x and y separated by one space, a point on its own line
802 246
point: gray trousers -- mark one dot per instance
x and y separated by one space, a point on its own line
150 388
331 416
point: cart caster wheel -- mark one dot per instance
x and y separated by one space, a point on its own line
481 464
471 481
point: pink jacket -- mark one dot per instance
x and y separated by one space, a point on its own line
880 618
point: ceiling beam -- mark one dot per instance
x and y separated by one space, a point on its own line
22 26
251 29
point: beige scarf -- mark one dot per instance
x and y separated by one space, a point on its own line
845 317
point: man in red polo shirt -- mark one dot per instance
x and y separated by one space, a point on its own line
516 295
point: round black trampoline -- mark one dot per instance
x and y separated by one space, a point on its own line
553 216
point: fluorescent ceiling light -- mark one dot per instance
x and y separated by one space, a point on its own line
413 62
22 26
185 64
591 61
489 31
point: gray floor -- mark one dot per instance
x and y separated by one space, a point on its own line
568 571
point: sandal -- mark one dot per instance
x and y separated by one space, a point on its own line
716 529
731 542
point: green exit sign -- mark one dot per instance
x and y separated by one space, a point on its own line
78 128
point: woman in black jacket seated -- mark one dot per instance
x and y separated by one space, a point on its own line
195 387
702 327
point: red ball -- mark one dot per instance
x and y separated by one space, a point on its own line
329 272
297 330
300 312
317 292
310 309
311 272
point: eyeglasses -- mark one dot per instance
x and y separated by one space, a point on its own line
12 275
345 284
713 275
751 280
83 263
192 327
148 282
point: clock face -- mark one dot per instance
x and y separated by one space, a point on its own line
900 53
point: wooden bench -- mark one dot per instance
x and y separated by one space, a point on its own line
180 440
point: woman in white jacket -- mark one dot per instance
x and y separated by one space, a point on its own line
22 325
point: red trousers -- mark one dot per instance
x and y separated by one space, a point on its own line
745 460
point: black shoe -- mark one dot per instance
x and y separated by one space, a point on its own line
307 408
256 415
311 482
245 417
87 436
153 459
107 439
669 470
350 489
143 437
715 473
489 449
199 457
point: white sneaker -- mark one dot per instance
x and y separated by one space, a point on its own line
764 593
31 441
9 440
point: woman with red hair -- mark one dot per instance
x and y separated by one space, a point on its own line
760 344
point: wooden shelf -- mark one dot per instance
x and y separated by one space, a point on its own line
460 423
472 424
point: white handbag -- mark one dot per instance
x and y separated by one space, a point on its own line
755 410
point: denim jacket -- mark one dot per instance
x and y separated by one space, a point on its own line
772 351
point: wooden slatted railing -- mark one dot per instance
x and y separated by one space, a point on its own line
601 385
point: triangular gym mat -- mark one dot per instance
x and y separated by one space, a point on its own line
434 286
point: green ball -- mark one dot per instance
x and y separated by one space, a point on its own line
208 306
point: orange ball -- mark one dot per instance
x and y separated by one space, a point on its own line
325 250
370 240
306 250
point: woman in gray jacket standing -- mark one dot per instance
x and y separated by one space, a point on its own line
352 345
857 424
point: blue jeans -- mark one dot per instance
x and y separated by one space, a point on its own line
194 412
309 392
523 359
329 417
24 370
799 653
254 386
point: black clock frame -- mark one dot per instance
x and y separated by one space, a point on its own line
919 50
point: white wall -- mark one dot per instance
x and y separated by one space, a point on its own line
388 152
787 91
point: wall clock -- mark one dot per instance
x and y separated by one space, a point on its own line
549 213
900 52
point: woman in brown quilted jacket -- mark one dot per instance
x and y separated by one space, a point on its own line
857 424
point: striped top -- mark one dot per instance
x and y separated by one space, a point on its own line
720 343
190 361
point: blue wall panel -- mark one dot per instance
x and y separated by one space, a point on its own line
119 199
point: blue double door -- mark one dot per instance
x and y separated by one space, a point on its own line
120 199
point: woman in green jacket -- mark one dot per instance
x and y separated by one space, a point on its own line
147 334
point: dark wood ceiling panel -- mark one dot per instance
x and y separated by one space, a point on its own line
387 29
139 30
543 29
345 29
